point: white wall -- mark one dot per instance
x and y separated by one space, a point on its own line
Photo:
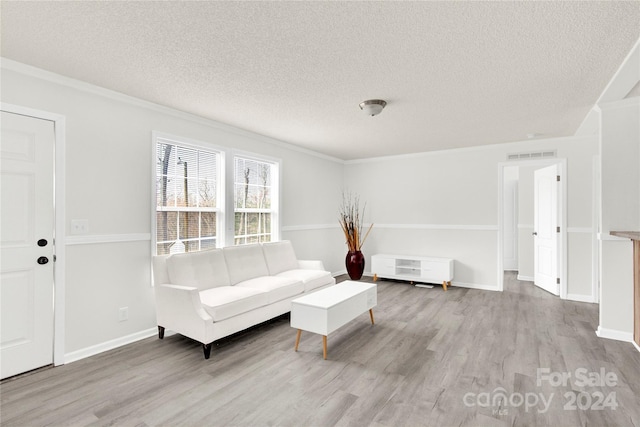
108 176
442 203
445 204
620 211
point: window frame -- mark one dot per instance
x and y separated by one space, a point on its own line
276 185
225 187
160 138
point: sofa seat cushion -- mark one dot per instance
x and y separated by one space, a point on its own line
227 301
311 279
277 288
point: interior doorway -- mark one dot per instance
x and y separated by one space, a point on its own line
32 237
519 247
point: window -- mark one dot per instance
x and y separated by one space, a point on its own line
199 189
254 200
187 197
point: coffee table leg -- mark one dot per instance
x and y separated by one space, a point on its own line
324 347
298 338
371 315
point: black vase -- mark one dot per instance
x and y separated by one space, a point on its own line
355 264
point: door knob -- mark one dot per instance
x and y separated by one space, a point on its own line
534 234
43 260
42 242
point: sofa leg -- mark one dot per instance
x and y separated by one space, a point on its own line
161 332
207 350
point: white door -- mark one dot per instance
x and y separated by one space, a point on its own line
26 243
545 223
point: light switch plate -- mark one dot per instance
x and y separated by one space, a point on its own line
79 226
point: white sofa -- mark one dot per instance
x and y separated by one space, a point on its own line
215 293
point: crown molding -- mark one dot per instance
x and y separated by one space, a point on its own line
504 145
39 73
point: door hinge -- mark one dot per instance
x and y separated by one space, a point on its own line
54 258
558 178
558 280
557 229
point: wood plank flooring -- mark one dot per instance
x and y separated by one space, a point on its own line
433 358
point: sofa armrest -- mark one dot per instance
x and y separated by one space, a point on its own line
310 265
179 309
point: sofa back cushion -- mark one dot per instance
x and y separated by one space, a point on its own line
245 262
203 270
279 257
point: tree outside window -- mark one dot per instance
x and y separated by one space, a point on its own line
186 198
252 200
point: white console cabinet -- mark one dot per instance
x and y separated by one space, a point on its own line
413 268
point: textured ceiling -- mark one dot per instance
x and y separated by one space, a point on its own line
454 74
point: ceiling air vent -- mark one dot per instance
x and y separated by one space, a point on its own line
532 155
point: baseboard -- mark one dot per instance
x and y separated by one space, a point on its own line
636 345
108 345
613 334
453 283
580 298
525 278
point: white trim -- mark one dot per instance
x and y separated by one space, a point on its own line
109 345
107 238
635 345
440 227
622 103
569 229
501 146
39 73
595 220
609 237
309 227
614 334
524 278
580 298
624 79
562 217
399 226
59 123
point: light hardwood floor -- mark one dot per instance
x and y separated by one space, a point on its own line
428 353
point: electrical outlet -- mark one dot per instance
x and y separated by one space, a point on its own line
123 314
79 226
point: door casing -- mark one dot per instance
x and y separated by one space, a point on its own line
59 223
562 217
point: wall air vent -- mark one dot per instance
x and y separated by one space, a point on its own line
532 155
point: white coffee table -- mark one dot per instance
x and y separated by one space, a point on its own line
325 311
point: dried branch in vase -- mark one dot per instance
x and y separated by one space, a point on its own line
350 220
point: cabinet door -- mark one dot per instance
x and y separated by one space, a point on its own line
435 271
383 266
